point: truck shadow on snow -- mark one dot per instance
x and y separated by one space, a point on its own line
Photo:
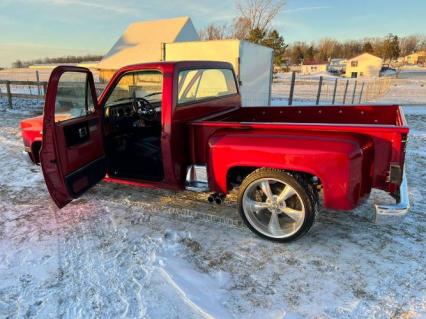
193 207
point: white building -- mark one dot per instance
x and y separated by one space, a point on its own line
144 42
364 65
314 67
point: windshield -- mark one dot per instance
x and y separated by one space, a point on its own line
142 84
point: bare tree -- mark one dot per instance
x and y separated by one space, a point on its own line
242 28
409 44
214 32
421 46
260 13
327 49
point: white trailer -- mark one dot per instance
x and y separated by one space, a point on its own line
252 63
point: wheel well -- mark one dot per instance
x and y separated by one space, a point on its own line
237 174
35 150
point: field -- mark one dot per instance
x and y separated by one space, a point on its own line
128 252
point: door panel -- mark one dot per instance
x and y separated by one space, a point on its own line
72 154
82 179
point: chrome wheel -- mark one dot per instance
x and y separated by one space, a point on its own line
273 207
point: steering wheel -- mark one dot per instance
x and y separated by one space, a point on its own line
145 109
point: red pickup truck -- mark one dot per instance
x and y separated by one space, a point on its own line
181 125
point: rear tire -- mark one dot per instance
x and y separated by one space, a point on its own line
276 205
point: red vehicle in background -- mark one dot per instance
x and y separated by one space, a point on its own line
180 125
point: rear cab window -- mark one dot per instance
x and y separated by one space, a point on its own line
197 85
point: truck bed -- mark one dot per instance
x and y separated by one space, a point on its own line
384 125
348 115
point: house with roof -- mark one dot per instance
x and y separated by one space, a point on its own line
416 58
364 65
312 67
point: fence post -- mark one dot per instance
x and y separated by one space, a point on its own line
362 91
293 80
346 92
319 90
334 92
9 94
38 82
353 95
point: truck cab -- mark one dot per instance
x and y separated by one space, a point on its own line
137 129
181 125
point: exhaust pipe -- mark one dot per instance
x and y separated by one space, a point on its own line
211 198
216 198
220 198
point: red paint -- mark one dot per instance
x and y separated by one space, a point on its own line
349 148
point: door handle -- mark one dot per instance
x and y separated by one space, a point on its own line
82 132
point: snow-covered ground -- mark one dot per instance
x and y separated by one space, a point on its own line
406 91
129 252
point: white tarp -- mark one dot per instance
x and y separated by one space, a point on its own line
251 62
143 41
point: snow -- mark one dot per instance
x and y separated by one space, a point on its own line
122 251
406 91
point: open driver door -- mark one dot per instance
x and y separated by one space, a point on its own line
72 155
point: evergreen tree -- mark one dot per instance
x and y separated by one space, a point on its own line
391 50
17 64
368 47
275 41
270 39
310 54
256 36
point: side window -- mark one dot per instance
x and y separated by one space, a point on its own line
199 84
74 97
145 84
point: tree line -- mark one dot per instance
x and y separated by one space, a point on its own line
64 59
389 48
254 23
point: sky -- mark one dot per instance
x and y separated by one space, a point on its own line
32 29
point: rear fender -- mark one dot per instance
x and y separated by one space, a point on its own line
336 159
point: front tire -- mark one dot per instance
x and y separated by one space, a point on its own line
276 205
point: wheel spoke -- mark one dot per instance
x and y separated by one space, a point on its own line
293 213
287 192
274 224
255 205
266 189
273 207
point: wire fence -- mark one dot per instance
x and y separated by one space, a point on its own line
287 89
291 90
